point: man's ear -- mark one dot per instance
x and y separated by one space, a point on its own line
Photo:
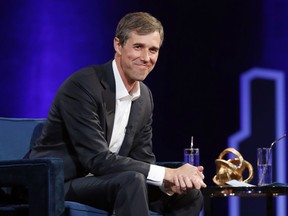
117 46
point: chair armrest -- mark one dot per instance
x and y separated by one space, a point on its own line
44 180
170 164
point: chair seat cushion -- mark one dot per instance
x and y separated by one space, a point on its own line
14 210
78 209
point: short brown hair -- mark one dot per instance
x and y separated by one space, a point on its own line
141 22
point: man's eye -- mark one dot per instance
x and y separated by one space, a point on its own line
153 50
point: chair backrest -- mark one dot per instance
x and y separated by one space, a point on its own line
17 136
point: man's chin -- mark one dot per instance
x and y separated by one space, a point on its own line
141 78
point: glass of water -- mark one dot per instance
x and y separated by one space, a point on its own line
264 166
192 156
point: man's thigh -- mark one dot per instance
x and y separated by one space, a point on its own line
97 191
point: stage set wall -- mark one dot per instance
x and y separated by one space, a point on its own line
209 46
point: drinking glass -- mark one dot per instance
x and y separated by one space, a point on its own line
192 156
264 166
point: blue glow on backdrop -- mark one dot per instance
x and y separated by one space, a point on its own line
246 131
42 43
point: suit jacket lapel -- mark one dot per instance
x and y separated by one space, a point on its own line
109 95
133 122
109 106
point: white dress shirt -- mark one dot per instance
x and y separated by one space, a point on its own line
122 112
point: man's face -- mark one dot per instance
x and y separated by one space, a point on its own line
138 56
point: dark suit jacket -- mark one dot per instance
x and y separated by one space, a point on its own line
80 122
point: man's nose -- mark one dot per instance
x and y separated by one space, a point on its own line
145 55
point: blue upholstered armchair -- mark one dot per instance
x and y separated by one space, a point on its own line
33 186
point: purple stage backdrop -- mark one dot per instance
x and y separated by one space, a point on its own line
196 84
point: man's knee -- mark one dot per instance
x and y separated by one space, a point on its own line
197 197
133 187
132 177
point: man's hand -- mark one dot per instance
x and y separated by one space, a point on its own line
184 178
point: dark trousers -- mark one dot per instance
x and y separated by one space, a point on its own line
127 194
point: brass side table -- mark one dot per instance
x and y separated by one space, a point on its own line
269 192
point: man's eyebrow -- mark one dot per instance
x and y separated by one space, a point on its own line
138 44
142 44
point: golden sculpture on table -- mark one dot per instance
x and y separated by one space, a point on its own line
230 169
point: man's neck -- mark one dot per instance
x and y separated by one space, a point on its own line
129 84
